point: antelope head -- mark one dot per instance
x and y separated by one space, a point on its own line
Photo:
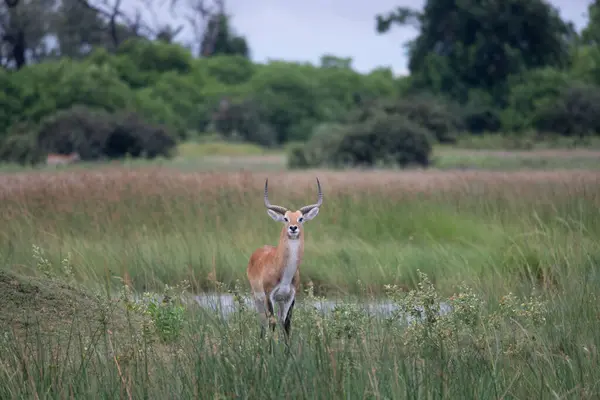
293 220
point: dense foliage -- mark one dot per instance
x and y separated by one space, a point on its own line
513 67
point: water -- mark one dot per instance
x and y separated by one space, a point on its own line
225 303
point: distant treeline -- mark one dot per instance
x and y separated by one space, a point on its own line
537 78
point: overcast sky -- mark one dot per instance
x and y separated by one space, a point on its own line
305 30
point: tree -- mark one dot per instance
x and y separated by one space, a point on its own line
591 33
219 39
477 44
23 28
331 61
212 31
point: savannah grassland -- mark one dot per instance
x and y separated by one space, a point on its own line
515 252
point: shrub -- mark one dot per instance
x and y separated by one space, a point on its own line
480 114
132 135
94 134
78 129
433 114
321 147
479 119
243 119
296 156
384 139
576 112
531 91
428 111
20 145
10 100
324 142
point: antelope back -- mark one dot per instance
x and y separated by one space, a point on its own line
62 159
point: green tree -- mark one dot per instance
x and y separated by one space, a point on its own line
290 97
470 44
227 69
52 86
219 38
591 33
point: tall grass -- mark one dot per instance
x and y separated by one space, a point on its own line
540 346
161 226
514 254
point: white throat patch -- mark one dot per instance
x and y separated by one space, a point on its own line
292 263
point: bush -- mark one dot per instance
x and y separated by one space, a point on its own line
387 139
576 112
430 112
480 114
296 156
243 120
529 92
382 140
433 114
20 145
11 97
480 119
319 150
94 134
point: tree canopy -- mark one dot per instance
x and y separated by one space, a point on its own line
476 66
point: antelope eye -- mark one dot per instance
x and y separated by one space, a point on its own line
285 219
300 219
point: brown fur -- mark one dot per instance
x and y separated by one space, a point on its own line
62 159
266 264
274 272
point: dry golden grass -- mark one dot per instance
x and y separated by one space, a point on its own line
110 183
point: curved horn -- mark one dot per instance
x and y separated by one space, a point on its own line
306 209
278 209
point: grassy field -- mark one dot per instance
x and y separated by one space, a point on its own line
515 253
163 226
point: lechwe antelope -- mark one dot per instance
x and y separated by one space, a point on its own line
62 159
273 271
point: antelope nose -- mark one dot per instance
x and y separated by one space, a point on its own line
293 228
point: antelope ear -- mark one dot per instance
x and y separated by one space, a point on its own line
311 214
275 215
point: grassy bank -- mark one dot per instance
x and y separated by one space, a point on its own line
544 345
163 226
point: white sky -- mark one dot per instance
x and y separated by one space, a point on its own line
305 30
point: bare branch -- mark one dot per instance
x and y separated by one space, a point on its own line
113 22
135 24
204 20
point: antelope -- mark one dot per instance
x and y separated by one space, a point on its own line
273 272
61 159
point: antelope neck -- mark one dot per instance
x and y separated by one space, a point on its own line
290 253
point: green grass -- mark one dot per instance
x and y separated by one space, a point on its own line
533 234
194 149
539 346
524 141
449 157
163 226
